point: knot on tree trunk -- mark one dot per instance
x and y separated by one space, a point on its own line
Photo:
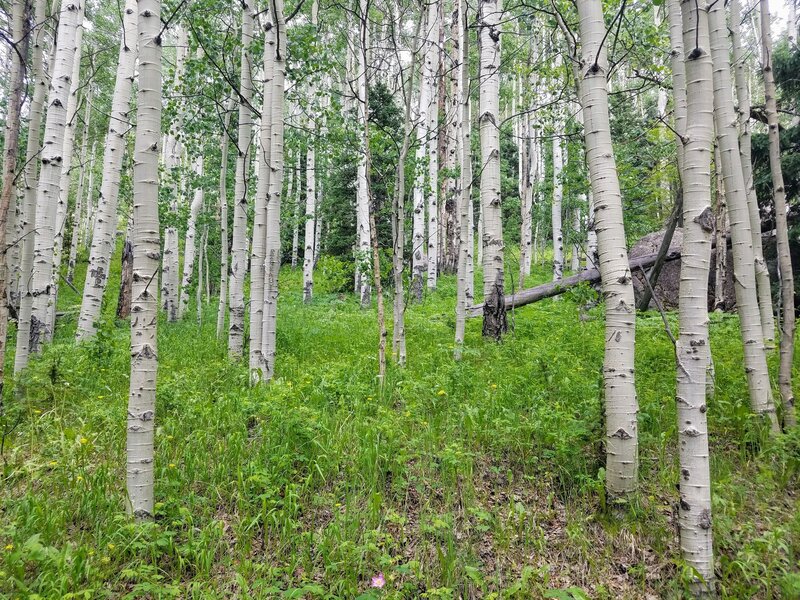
495 323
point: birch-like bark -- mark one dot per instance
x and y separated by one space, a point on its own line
78 212
295 200
431 70
222 308
103 237
146 250
781 226
28 213
755 357
174 154
745 155
259 249
190 246
494 317
16 88
692 349
558 197
526 178
273 262
240 246
311 179
71 13
575 259
464 292
88 202
65 181
720 237
621 406
363 235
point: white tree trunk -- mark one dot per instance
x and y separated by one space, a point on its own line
558 197
259 249
781 226
692 350
174 154
47 193
28 213
222 308
77 214
190 247
294 198
65 181
103 238
490 17
362 194
240 247
311 180
755 357
146 248
431 70
621 406
745 139
88 203
575 263
273 262
464 292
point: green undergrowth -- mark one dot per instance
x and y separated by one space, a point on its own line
474 479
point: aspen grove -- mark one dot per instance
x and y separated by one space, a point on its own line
399 299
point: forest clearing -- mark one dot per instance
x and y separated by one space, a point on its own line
392 299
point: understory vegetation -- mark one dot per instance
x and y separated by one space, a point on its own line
479 478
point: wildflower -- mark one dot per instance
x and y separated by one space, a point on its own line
493 386
52 463
171 465
9 547
100 397
84 441
441 393
407 413
111 546
91 552
79 478
105 560
37 411
378 581
369 398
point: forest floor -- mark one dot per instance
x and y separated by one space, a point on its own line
474 479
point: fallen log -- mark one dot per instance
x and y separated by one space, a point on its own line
554 288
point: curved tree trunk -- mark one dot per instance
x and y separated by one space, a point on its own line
239 246
781 227
190 247
745 139
146 250
621 406
102 245
755 357
692 349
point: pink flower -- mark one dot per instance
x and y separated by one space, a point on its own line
379 580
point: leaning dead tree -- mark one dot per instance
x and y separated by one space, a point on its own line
555 288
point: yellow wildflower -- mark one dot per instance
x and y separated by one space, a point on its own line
79 478
105 560
171 465
111 546
441 393
52 463
9 547
84 441
37 411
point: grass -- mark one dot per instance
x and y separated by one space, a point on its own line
478 479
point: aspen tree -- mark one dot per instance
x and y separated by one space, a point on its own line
311 188
363 234
222 308
431 68
419 246
78 213
494 317
295 200
745 155
621 406
16 88
558 197
464 293
28 212
781 226
692 350
71 13
146 254
119 124
273 261
173 157
755 358
239 246
190 247
259 248
65 181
